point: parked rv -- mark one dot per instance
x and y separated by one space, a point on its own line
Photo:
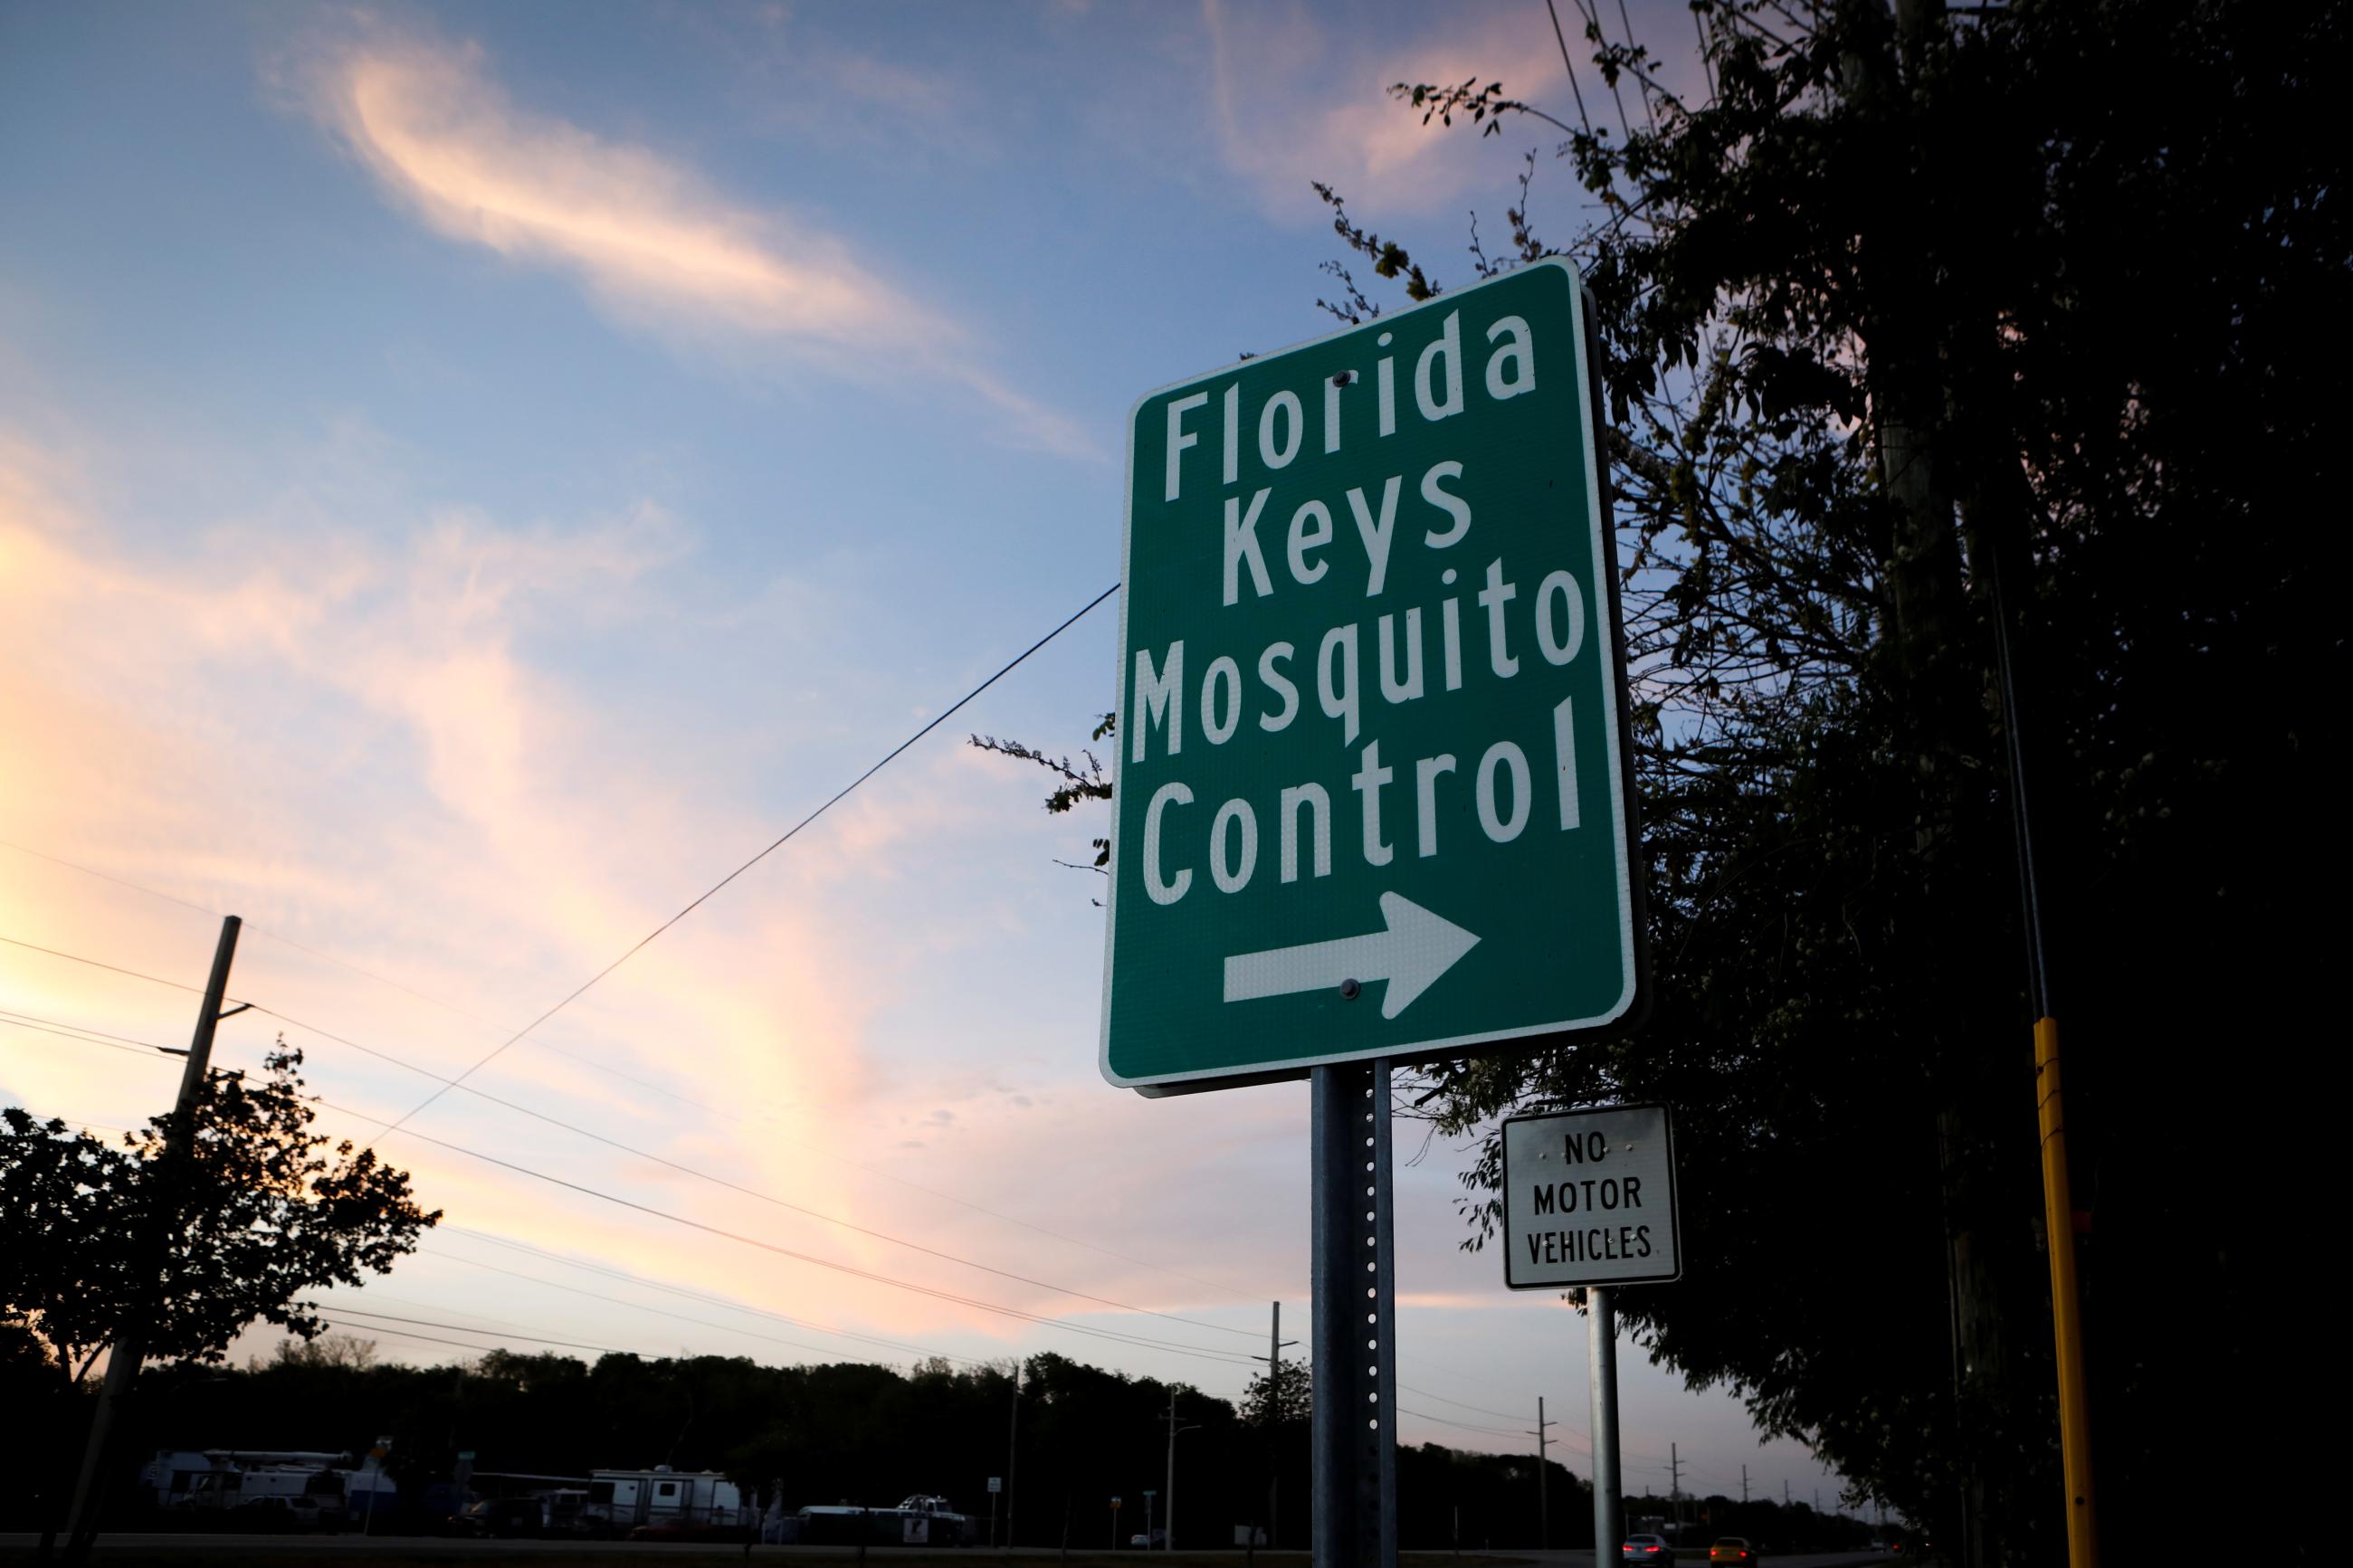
664 1503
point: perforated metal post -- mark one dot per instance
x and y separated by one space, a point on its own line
1601 1367
1354 1338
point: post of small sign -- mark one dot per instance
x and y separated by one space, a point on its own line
1589 1201
1374 799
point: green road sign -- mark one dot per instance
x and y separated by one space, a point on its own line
1372 794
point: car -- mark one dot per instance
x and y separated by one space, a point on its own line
504 1517
1734 1551
1648 1551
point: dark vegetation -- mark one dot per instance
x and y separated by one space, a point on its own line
830 1433
1918 319
183 1235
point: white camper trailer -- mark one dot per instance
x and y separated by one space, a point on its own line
696 1499
294 1483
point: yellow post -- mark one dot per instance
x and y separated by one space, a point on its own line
2066 1306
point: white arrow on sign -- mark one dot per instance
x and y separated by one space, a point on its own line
1417 947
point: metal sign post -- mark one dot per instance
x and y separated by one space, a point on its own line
1590 1199
1374 797
1601 1368
1354 1333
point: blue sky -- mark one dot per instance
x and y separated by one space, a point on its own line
469 477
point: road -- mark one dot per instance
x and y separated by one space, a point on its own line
203 1550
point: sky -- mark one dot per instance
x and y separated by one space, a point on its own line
471 477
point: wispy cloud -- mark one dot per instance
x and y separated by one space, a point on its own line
654 242
369 738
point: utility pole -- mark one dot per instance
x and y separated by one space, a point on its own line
1743 1486
2058 1193
1544 1480
161 1220
1785 1492
1675 1482
1168 1512
1273 1359
1012 1452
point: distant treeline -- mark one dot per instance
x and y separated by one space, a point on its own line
826 1434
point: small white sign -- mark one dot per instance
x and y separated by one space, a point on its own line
1589 1198
997 1483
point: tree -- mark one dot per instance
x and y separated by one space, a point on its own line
1277 1398
259 1213
1927 319
326 1351
1920 320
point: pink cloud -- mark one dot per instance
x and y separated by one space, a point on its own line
652 241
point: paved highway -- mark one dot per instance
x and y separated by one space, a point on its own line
335 1547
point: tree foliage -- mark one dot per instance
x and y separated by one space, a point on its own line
1286 1393
1914 306
190 1247
1920 321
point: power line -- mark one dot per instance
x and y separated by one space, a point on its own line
657 1312
400 1334
752 1192
1456 1403
14 1023
253 930
81 1036
376 1295
1563 40
333 1312
780 841
679 1290
1137 1340
591 1063
1465 1425
94 964
53 1024
462 1329
894 1345
771 1198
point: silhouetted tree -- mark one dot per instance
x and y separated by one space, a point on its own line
1898 300
260 1211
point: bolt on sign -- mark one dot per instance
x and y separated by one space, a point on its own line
1589 1198
1373 793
